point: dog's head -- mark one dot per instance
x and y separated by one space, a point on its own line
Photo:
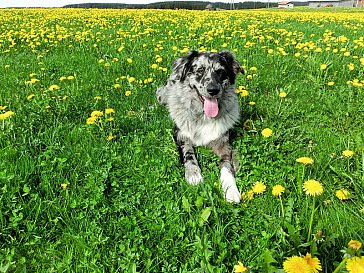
209 74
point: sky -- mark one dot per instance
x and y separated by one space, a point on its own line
61 3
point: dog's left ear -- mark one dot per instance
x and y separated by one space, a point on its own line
231 61
182 66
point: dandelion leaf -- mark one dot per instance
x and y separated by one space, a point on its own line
205 214
186 205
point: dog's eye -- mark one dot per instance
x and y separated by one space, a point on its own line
221 73
200 70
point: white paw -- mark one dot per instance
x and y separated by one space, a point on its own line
228 185
193 174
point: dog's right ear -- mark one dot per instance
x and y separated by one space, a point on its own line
231 61
182 66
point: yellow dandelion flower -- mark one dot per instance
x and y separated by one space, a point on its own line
296 264
278 190
70 78
314 263
323 66
313 188
131 79
342 194
184 50
34 80
251 103
91 120
129 60
282 94
127 93
117 86
154 66
250 195
6 115
62 78
347 54
354 244
305 160
111 137
96 113
53 87
64 186
97 98
348 153
244 93
109 111
355 265
331 83
30 97
259 187
239 268
267 132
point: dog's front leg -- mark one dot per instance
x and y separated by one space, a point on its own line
188 159
228 184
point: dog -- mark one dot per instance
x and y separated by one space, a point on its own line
201 100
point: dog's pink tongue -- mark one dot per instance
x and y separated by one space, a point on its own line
211 107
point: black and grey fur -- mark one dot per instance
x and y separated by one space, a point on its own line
200 96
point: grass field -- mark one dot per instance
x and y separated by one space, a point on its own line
89 174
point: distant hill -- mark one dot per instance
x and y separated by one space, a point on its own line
193 5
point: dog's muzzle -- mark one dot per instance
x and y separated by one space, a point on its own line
210 104
213 89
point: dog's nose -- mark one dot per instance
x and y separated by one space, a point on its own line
213 91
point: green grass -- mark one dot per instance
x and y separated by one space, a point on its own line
126 206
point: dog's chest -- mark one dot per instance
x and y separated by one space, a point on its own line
201 133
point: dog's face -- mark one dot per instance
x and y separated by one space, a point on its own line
209 75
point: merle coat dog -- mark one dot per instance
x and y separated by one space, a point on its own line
201 100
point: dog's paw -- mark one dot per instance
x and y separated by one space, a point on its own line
193 174
232 195
228 185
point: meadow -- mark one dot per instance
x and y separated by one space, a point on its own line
90 179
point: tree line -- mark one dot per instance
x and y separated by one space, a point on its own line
192 5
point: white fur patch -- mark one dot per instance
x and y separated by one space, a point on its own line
193 174
228 185
204 133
